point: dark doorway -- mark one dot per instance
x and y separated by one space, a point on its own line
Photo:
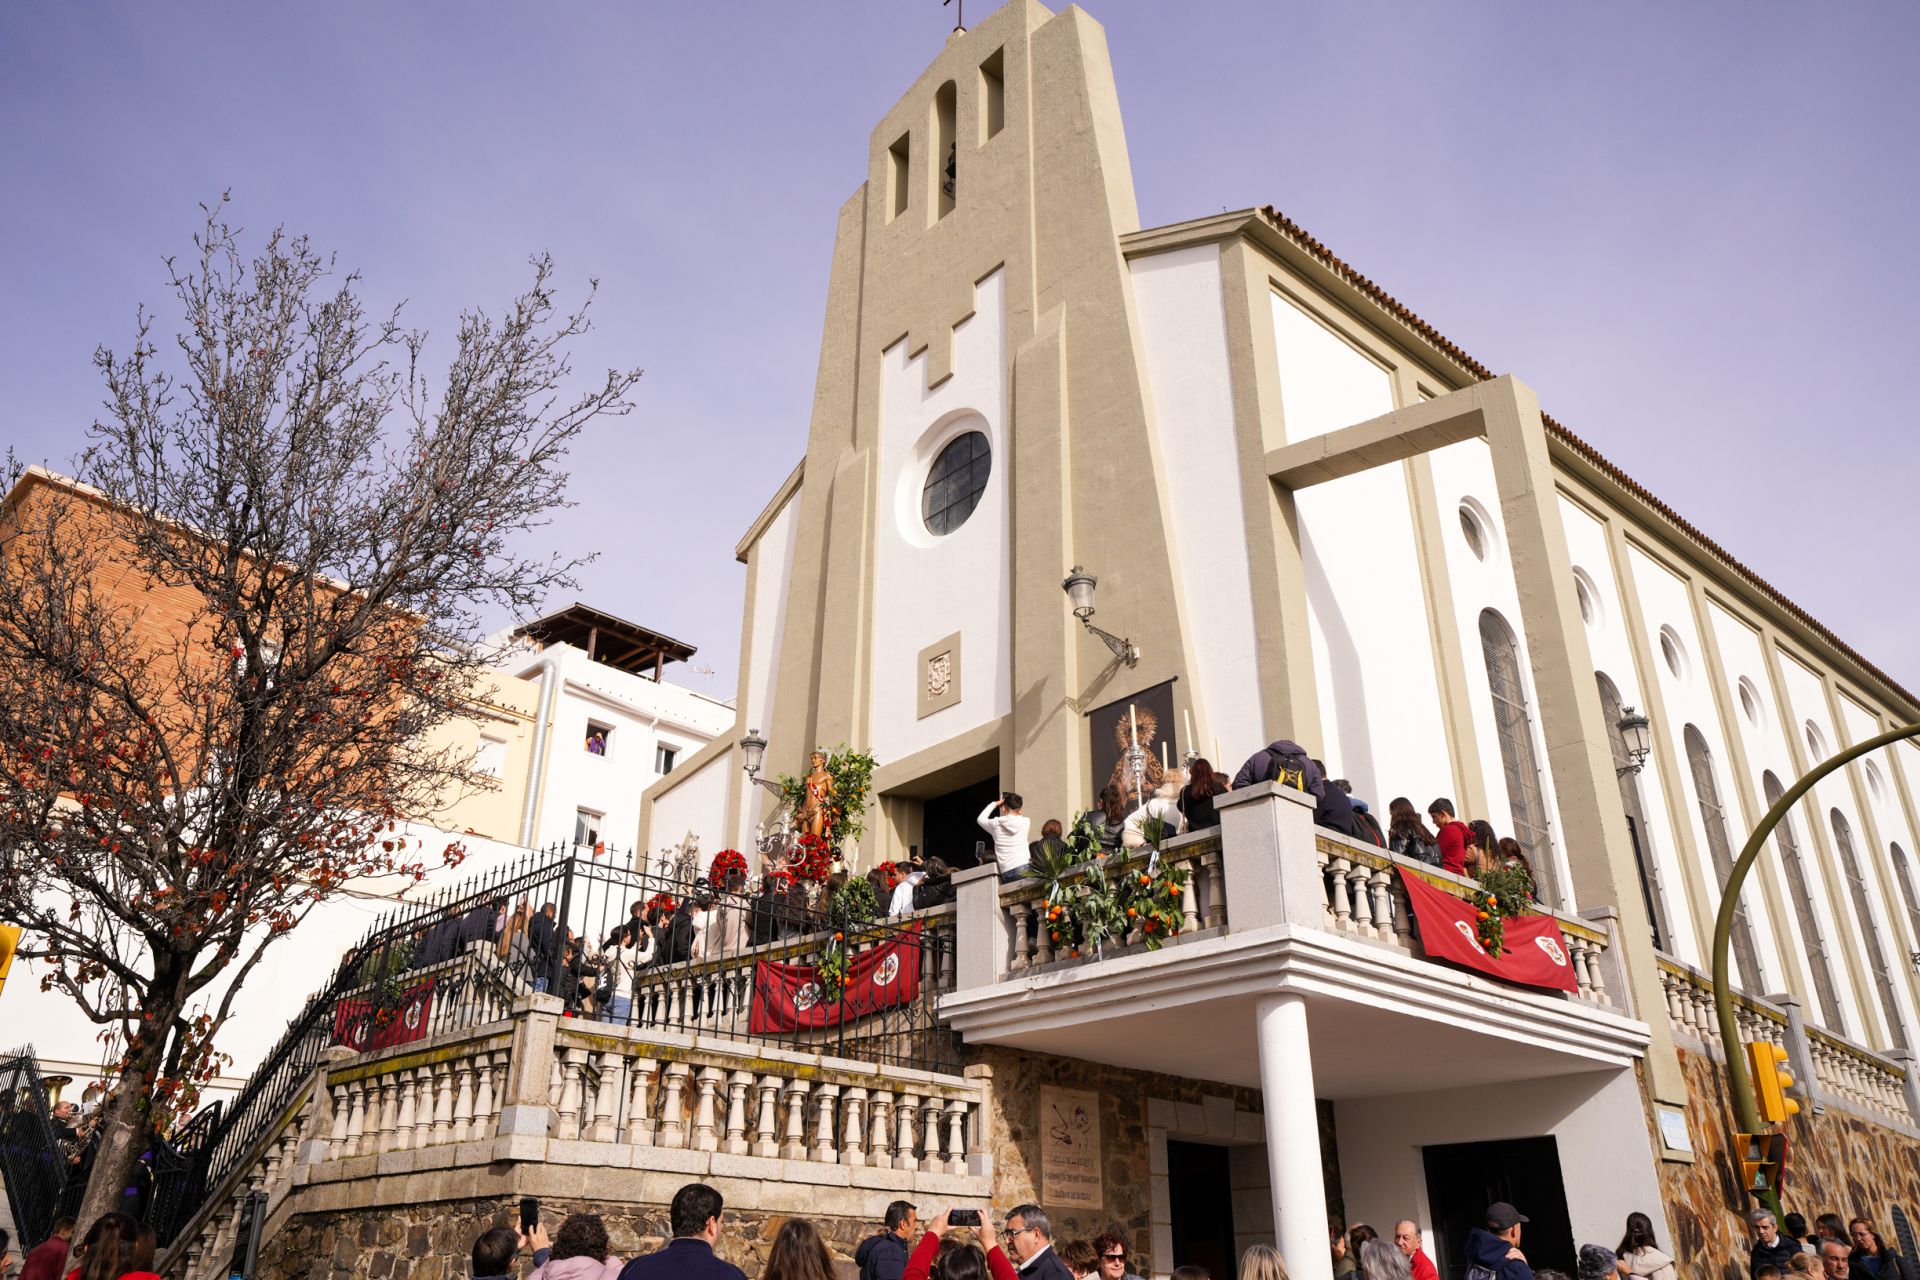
950 823
1463 1178
1200 1194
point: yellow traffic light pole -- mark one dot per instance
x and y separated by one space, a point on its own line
1746 1108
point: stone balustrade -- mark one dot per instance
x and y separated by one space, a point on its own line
520 1101
1203 906
1365 898
1826 1067
651 1097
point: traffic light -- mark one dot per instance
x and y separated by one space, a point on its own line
1771 1081
9 939
1763 1161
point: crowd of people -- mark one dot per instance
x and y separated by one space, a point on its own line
116 1247
1836 1250
1185 800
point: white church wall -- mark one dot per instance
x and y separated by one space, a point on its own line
1765 743
1463 474
1806 695
928 587
1379 692
773 572
696 806
1590 1115
1184 334
1612 651
1686 690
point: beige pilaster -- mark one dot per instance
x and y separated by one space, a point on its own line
1593 830
1289 701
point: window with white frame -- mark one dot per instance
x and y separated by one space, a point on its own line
491 758
663 758
1863 913
599 740
586 827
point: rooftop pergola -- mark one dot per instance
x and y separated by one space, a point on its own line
614 641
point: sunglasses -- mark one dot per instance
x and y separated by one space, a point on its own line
1113 1257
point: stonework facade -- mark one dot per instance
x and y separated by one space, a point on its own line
1837 1162
433 1241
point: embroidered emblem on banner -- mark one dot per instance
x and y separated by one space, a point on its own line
888 970
1466 931
807 996
1552 948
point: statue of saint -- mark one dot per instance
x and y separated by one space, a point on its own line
815 817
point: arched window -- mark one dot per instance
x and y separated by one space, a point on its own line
1863 913
1650 887
1514 726
1905 872
1818 958
1713 816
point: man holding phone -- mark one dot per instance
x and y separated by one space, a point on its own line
1009 827
497 1247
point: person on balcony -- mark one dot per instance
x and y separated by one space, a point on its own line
1493 1251
1008 826
1196 798
1331 807
1050 841
1408 836
1162 806
1452 835
1284 761
1770 1248
1639 1253
1108 817
936 887
884 1256
1872 1258
543 945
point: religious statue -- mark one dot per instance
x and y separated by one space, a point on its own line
815 816
1141 726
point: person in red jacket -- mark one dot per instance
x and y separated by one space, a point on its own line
921 1263
1454 836
48 1259
1406 1235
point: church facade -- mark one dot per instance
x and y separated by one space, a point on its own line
1310 516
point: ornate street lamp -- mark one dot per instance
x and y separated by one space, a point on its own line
753 750
1079 588
1636 732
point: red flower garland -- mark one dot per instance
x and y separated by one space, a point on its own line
814 859
725 863
662 900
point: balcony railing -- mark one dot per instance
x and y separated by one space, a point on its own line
1829 1067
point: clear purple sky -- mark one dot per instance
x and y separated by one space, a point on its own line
1689 226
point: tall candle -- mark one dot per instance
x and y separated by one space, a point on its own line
1163 755
1187 713
1133 725
1216 748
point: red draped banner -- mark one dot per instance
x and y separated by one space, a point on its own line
365 1025
788 997
1532 951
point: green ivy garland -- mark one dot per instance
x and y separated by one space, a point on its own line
1095 897
1504 892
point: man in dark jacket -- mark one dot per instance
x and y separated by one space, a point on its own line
1493 1252
497 1247
1770 1248
543 946
884 1256
1331 807
1029 1239
695 1218
1266 764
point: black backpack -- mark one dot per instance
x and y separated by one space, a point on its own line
1289 770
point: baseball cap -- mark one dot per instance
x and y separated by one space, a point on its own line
1501 1215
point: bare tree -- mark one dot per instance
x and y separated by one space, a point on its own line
222 658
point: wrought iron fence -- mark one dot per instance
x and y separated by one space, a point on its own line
32 1156
620 946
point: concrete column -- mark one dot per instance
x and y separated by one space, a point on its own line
1293 1136
1267 856
980 931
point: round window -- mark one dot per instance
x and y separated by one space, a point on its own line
955 482
1750 702
1673 652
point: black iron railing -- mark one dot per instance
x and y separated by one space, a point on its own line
619 946
32 1156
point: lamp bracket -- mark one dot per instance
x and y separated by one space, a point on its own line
1122 648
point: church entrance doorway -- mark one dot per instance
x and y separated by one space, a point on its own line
949 822
1463 1178
1200 1192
